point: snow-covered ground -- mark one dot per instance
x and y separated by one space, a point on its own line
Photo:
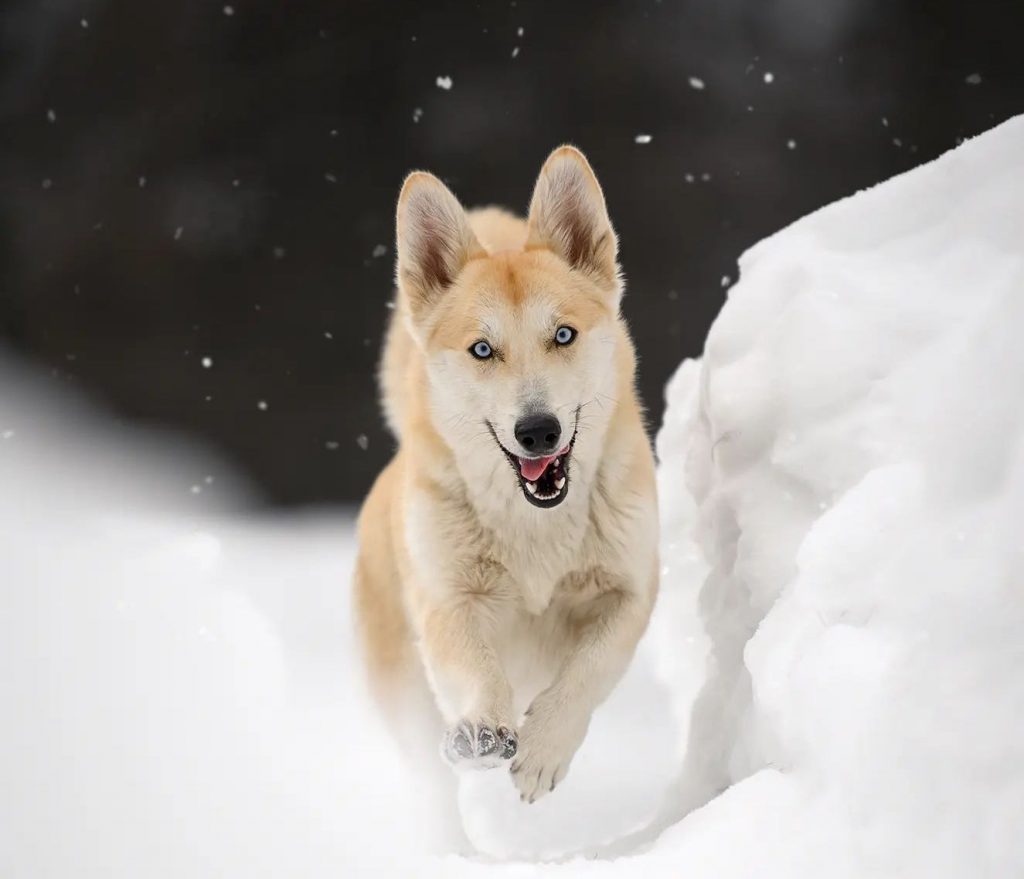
840 634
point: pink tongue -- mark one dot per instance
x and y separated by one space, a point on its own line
532 468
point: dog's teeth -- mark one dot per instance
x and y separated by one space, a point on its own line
531 487
558 462
560 483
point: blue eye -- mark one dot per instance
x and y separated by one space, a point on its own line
565 335
481 350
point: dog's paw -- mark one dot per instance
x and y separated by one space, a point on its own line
547 745
479 744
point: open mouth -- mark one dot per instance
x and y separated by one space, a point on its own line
543 479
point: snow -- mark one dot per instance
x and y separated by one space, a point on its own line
853 444
696 83
444 82
643 138
831 684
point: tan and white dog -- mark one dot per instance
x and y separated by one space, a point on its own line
508 553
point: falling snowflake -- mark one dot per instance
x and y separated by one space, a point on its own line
262 406
51 115
643 138
973 79
363 441
444 82
791 144
229 10
417 114
769 78
207 362
379 251
696 83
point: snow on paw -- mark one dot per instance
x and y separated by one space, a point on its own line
479 745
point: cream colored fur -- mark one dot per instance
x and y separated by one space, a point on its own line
462 586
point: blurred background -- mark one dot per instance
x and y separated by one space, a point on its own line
196 198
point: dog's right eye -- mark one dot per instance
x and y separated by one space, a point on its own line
481 350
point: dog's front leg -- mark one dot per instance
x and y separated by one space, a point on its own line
466 674
602 634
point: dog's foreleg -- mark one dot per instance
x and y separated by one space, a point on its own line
602 635
467 677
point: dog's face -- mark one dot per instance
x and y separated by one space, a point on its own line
519 345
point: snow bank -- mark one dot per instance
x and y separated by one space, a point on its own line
842 480
854 443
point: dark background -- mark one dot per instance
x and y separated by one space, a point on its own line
178 181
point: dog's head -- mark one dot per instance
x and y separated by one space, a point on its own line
520 345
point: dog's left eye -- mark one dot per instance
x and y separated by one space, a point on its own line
565 335
481 350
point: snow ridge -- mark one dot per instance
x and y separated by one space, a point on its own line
854 449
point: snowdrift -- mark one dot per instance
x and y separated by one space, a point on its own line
832 684
853 443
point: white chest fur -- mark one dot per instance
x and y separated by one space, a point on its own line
537 547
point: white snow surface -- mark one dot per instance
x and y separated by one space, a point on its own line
832 684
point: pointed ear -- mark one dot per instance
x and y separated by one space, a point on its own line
568 216
435 240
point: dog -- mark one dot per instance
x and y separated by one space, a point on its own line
508 558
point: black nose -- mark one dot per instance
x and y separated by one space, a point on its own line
538 434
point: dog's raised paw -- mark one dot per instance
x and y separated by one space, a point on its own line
479 745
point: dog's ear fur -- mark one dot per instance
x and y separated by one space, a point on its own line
434 241
568 216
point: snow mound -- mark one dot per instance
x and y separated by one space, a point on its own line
853 444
